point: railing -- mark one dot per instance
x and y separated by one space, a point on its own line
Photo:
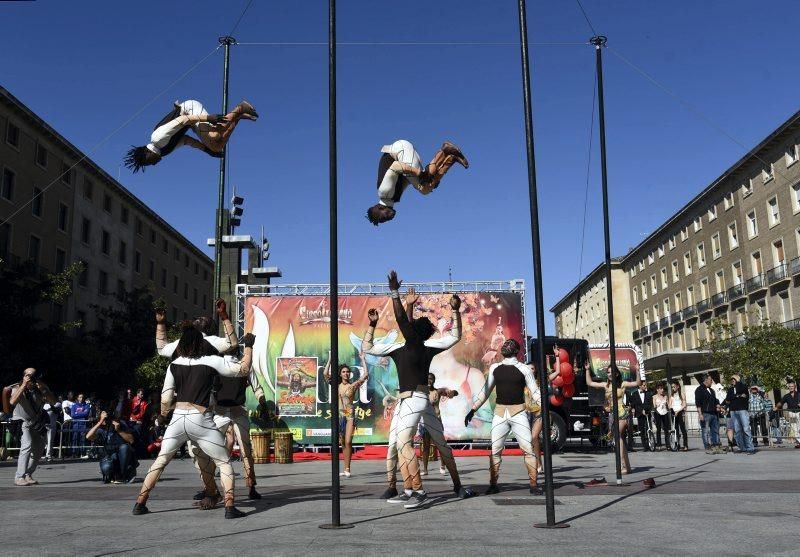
689 312
703 305
755 284
675 317
736 291
653 327
664 322
636 334
792 323
644 331
718 299
778 273
795 266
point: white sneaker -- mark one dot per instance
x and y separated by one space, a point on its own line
443 471
423 473
345 474
402 497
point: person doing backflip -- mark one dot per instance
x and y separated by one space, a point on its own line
401 166
213 132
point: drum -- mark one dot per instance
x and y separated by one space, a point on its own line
283 447
260 442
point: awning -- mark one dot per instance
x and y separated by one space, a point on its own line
679 360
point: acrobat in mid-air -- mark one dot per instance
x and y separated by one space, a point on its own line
212 130
401 166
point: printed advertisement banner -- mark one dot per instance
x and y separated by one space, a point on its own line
293 344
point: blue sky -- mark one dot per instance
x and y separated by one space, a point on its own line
86 67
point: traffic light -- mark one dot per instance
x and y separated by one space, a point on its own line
264 250
236 210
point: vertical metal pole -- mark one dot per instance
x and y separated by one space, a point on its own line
599 42
227 42
334 272
537 274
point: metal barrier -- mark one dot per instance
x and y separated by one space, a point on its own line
67 439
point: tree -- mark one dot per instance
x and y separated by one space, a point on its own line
764 354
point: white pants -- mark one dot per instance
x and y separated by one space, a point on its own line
162 134
402 151
502 426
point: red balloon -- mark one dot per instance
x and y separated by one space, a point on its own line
558 381
563 355
568 391
567 379
556 400
565 369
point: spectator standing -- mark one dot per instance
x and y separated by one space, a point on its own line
138 421
757 409
81 411
737 400
123 407
708 413
28 398
642 403
790 404
661 415
52 427
118 463
678 408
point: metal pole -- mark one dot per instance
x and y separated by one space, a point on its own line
227 42
537 274
599 42
334 273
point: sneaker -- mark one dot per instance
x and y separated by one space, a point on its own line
200 495
253 494
85 457
465 493
417 499
443 471
31 481
389 493
536 490
401 498
492 489
21 482
423 473
131 480
233 512
140 508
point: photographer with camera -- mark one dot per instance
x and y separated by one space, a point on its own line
28 398
118 463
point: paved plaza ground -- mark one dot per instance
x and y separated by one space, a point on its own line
703 504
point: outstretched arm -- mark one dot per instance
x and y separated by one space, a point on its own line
589 381
488 387
163 348
167 392
360 381
397 305
629 384
232 367
327 373
229 342
411 300
367 344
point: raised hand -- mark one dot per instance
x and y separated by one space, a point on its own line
222 309
411 296
455 302
394 282
372 314
249 340
468 417
161 315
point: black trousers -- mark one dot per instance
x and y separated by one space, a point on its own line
757 422
680 429
642 425
662 422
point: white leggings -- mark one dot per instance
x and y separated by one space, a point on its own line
502 426
200 429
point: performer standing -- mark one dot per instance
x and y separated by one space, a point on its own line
510 377
401 166
435 396
213 132
347 408
413 360
190 379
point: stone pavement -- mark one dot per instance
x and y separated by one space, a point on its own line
702 504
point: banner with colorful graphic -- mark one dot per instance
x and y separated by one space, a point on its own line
293 343
628 356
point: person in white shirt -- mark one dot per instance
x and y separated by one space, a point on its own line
212 130
678 407
661 414
401 166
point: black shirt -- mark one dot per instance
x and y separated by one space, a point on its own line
735 399
509 384
791 402
705 400
195 378
232 391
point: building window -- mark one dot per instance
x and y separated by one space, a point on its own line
63 217
67 174
9 183
712 213
786 308
716 246
635 295
151 270
61 260
5 239
728 202
752 224
205 300
650 258
646 317
123 253
704 289
689 296
124 214
666 307
205 274
687 263
778 253
701 255
194 296
661 250
655 313
177 253
34 249
755 263
641 265
139 227
773 212
175 284
719 278
675 274
152 236
663 277
196 268
736 269
747 188
163 278
105 244
672 242
12 135
107 203
36 202
174 314
791 154
165 246
86 230
185 290
653 285
698 224
678 305
684 233
185 260
733 237
88 189
83 278
137 261
120 290
41 155
102 283
767 173
644 290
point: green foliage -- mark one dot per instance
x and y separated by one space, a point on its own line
150 373
765 353
59 286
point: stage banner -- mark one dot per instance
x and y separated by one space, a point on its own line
293 345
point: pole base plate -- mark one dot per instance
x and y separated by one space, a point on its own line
336 526
556 526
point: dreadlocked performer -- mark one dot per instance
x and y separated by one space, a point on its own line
190 378
413 360
510 377
401 166
213 132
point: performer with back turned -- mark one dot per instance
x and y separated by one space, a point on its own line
401 166
412 359
510 377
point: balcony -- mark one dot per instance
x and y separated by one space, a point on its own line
736 291
675 317
653 327
636 334
664 323
778 274
792 324
719 299
643 332
795 266
689 312
703 306
755 284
